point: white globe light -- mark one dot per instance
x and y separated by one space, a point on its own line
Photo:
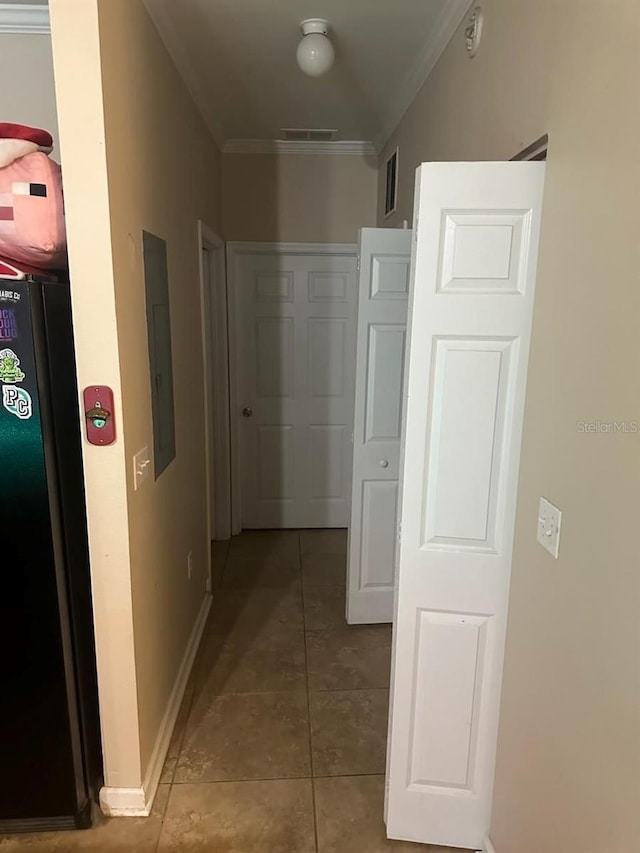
315 53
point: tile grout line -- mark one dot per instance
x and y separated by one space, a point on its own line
306 675
224 565
300 690
192 674
312 777
172 783
236 779
197 664
273 778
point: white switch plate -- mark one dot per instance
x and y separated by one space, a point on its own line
141 467
549 520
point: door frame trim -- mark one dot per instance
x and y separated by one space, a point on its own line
536 151
214 322
235 250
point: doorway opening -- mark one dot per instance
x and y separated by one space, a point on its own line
215 340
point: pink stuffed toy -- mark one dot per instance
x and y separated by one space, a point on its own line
31 207
16 140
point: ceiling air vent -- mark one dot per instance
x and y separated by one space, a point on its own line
307 134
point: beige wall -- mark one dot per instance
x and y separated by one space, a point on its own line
162 170
568 774
26 65
163 177
298 198
79 99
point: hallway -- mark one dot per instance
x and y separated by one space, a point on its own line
287 695
280 742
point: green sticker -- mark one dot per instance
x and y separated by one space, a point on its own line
10 367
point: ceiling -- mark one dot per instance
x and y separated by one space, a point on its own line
238 59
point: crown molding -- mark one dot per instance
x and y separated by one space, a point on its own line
443 30
185 67
16 18
282 146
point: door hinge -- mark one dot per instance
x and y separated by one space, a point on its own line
358 263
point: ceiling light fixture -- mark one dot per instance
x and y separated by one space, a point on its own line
315 52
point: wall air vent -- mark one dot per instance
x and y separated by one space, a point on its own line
307 134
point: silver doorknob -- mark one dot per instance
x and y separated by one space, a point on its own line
247 412
384 463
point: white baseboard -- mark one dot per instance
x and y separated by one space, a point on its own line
488 847
123 802
137 802
161 746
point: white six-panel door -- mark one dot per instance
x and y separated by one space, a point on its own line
295 342
470 314
382 322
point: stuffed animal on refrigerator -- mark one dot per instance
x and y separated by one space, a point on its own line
32 228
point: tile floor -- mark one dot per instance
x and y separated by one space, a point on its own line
280 742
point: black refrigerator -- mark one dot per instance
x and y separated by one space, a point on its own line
50 751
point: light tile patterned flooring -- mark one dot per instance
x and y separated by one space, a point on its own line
280 742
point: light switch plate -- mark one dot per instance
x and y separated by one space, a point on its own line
549 520
141 467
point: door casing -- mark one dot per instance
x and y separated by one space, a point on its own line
215 348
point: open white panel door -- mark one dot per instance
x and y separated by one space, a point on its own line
470 312
385 254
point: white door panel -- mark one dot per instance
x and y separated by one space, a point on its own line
296 349
471 302
382 320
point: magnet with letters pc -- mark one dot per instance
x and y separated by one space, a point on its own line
98 412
